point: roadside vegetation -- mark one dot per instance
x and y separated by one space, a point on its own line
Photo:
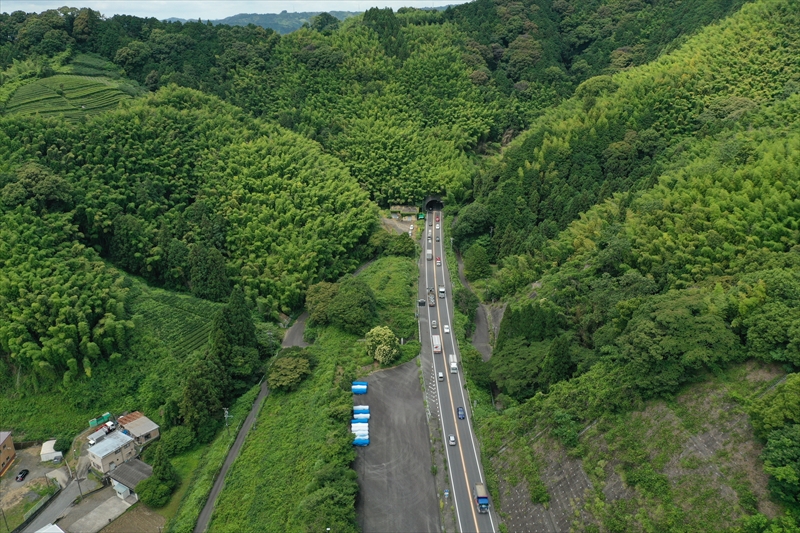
293 473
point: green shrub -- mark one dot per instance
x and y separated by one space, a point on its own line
153 493
177 440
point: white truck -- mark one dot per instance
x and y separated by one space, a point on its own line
429 255
453 364
437 344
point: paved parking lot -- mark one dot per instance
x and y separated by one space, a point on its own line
398 492
13 491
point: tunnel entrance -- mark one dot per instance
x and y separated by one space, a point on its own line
433 204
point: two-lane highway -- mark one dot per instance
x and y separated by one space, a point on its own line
463 461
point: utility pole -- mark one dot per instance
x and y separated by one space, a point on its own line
75 452
227 416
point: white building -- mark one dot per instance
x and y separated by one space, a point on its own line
112 451
49 452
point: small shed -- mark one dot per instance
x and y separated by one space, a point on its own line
49 452
126 476
404 212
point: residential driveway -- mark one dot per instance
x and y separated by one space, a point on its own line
61 504
95 512
397 489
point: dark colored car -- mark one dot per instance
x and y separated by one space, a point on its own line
22 474
421 302
461 414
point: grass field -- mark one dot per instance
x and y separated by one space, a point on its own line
180 322
301 433
64 94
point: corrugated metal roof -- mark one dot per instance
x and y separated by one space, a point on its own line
139 425
113 441
131 473
130 417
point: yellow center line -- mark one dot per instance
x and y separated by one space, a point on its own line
449 389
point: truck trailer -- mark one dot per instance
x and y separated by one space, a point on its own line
429 255
453 364
481 498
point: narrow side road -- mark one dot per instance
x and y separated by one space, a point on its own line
205 514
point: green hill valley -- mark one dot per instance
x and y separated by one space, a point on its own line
620 182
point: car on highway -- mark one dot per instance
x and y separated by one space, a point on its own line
441 376
437 226
438 261
22 474
451 440
421 302
446 328
437 218
461 414
437 238
434 325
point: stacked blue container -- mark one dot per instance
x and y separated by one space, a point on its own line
359 425
359 387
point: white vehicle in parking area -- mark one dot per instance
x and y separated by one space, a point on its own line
446 328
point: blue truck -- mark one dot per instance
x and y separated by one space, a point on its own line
481 498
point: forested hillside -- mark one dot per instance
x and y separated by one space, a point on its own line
622 174
691 269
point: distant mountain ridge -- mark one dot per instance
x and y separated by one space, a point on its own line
283 22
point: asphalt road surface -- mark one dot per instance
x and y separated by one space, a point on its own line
397 490
61 503
294 335
208 509
463 459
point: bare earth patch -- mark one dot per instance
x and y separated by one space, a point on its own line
566 482
137 519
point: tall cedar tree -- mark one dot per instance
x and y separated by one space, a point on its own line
208 278
163 469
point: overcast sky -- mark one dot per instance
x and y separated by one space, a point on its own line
212 9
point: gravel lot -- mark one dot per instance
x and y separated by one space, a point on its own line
398 492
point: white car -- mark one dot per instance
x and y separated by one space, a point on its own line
446 328
411 227
433 324
437 226
451 440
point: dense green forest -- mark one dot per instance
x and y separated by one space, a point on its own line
623 174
